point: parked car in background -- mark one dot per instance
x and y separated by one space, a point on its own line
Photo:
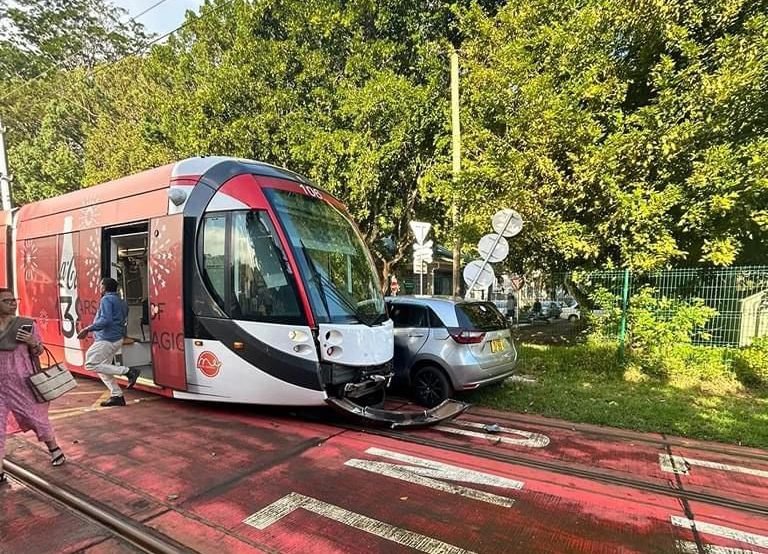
445 344
571 313
550 309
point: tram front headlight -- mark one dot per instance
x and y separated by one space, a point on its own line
297 336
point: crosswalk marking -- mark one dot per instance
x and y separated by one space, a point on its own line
521 438
293 501
721 531
682 465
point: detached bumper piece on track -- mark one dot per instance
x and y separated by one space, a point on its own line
396 419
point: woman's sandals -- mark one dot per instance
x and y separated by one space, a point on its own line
57 456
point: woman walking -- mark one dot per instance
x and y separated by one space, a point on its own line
19 341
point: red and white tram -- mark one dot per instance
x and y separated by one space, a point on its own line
245 283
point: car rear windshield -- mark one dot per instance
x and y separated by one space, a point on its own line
482 316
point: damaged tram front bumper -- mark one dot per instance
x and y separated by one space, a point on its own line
373 384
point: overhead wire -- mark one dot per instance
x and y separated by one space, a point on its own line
63 61
112 64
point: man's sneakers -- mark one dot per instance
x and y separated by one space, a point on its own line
113 401
133 375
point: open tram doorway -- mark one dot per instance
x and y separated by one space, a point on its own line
125 257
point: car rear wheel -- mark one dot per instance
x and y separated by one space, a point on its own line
573 317
430 386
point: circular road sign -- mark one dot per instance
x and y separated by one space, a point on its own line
485 278
496 246
507 222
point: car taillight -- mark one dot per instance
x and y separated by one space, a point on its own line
462 336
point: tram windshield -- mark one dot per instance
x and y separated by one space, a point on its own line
338 272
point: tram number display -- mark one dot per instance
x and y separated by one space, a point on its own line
311 191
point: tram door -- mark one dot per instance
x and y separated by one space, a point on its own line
166 307
127 255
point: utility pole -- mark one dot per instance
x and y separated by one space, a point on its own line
456 143
5 179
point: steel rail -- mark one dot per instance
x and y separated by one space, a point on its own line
563 469
137 534
591 429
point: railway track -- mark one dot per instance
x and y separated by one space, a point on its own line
673 488
146 539
117 525
596 431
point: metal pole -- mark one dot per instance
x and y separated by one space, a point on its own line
624 307
5 178
421 277
485 260
456 143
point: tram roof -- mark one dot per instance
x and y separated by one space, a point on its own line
147 181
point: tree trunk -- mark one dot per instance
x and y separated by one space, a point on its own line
386 271
581 296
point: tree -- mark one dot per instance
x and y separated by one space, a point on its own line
47 49
350 94
40 35
626 134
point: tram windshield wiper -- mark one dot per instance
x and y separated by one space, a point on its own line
326 286
315 276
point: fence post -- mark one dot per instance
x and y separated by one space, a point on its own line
624 310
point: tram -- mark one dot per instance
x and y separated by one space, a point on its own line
245 283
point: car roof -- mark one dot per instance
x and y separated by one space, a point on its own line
443 306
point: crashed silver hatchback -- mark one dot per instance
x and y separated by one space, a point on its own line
445 344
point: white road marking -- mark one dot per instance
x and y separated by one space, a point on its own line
689 547
681 465
720 531
426 473
293 501
532 440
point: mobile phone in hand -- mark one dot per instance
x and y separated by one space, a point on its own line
27 328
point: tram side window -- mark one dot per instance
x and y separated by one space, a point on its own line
261 288
214 254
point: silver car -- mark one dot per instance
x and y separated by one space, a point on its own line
445 344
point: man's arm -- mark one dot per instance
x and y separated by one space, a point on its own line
103 317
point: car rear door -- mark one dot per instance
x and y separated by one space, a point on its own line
411 333
496 349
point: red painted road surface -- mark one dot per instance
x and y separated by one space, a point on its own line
239 479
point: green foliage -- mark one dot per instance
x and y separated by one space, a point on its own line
47 101
125 137
656 324
348 94
692 368
586 383
39 35
751 363
605 319
48 160
659 334
627 134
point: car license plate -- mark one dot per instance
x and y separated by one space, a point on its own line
497 345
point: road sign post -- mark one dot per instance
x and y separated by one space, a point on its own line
422 251
493 248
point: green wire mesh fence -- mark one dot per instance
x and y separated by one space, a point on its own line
564 308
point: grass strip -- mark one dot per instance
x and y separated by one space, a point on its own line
697 396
